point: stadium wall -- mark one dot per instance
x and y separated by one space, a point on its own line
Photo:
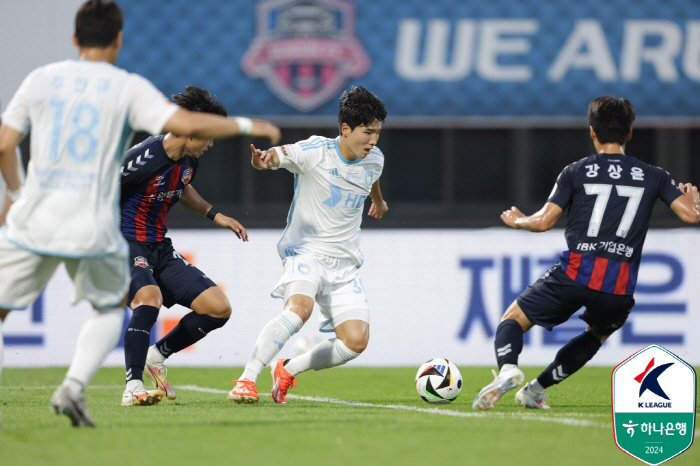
432 293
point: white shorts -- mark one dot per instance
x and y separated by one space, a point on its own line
333 283
103 281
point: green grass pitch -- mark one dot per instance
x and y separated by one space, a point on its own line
345 416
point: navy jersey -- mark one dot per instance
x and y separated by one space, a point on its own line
609 198
151 184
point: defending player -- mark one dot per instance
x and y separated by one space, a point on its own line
609 197
82 114
320 248
156 174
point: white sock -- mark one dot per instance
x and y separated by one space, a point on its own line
270 341
154 356
135 385
97 338
507 367
536 387
2 345
329 353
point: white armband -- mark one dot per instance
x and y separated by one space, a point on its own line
14 195
245 125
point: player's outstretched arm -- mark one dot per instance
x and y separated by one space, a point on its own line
379 207
209 126
191 200
542 220
9 165
687 206
264 159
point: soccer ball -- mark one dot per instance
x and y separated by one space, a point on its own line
438 381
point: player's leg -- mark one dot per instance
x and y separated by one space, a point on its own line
299 304
104 282
23 276
3 315
604 313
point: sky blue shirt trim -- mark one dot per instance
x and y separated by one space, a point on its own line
340 155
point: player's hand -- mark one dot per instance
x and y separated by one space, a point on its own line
511 215
261 159
378 210
263 128
232 224
690 191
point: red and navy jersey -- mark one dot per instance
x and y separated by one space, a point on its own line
151 184
609 198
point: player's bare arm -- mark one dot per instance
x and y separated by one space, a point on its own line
192 201
209 126
687 206
542 220
9 166
379 206
264 159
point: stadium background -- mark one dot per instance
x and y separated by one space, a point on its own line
486 105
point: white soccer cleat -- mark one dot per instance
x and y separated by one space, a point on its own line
530 399
490 394
64 401
140 397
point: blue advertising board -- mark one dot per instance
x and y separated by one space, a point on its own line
444 58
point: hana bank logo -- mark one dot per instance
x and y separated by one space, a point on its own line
649 380
305 49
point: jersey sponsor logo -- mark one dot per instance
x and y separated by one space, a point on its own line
305 49
159 180
140 261
187 176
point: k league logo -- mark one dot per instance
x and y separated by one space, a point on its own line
653 404
305 49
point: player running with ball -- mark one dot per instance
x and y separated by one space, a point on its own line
320 248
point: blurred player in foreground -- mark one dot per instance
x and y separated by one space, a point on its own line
156 174
320 248
82 114
609 197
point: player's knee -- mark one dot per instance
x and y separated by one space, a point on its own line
147 296
221 312
302 310
356 341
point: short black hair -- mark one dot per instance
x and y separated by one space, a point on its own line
199 100
611 118
98 23
359 107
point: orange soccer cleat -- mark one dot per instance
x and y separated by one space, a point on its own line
244 392
281 382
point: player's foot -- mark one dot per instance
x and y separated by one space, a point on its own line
244 392
72 404
156 374
530 399
490 394
140 397
281 382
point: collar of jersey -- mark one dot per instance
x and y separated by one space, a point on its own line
340 156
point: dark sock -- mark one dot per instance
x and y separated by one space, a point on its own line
508 342
572 357
137 339
191 328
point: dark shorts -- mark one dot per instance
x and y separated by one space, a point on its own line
159 264
554 298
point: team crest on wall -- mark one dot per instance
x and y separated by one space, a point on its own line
305 50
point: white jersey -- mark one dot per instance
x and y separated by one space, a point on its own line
329 196
82 115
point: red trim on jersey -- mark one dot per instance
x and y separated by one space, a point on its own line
598 274
574 264
161 222
141 218
622 279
